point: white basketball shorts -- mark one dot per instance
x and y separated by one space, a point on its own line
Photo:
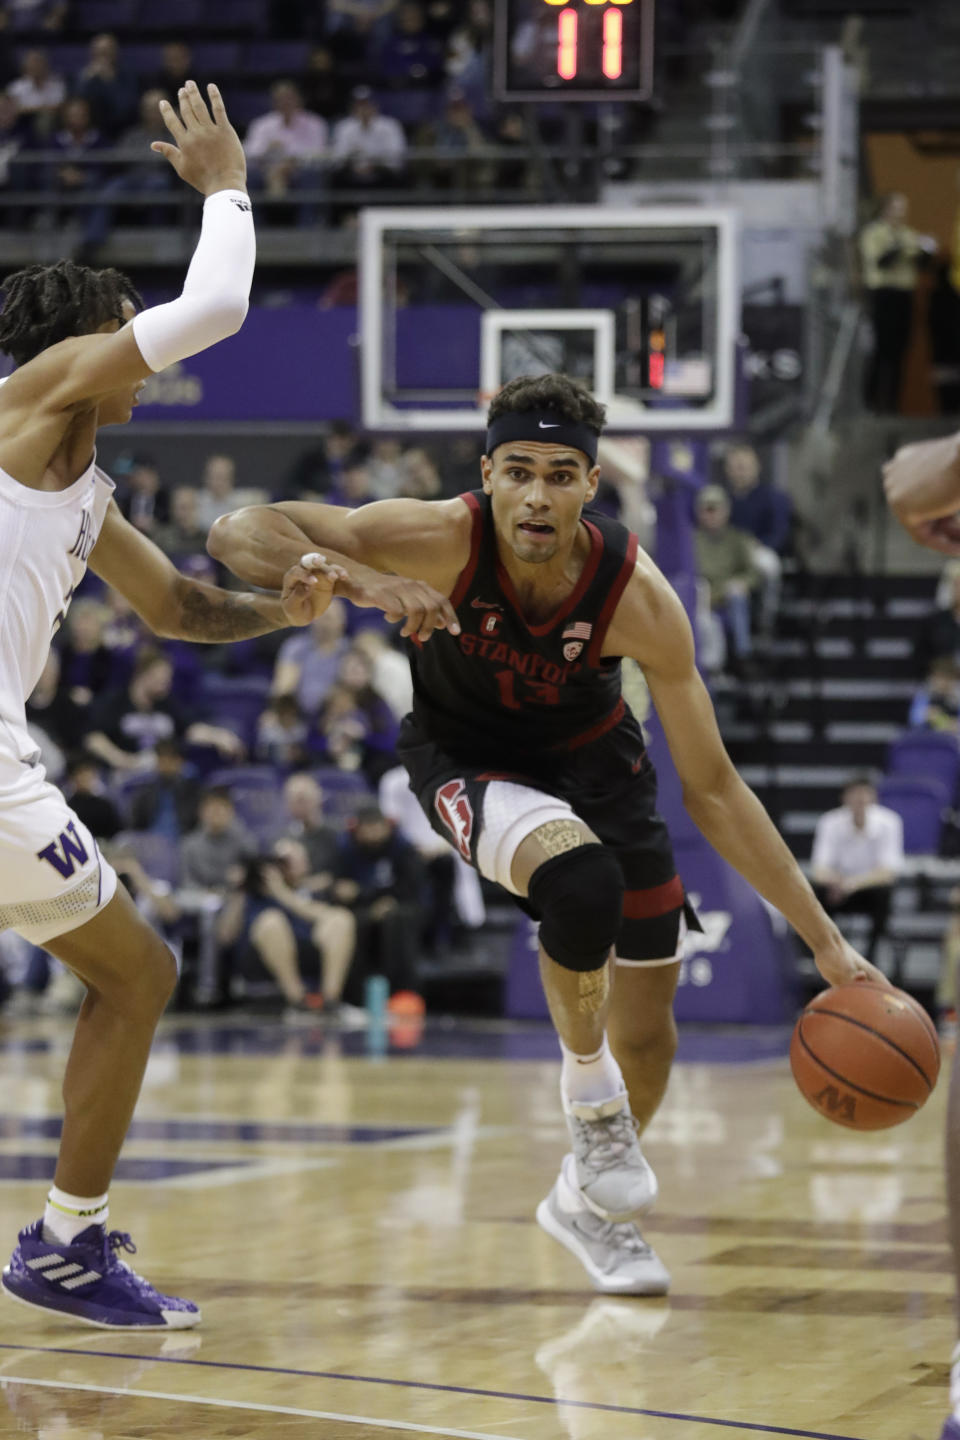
52 876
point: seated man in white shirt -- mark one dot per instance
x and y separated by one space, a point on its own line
857 857
368 148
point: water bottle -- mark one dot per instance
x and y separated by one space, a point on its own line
376 994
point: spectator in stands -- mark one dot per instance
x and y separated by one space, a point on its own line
408 56
143 501
39 93
940 633
356 15
324 89
218 489
389 669
126 725
317 471
368 148
355 485
385 464
213 855
80 142
936 705
52 719
891 254
459 135
40 14
421 478
87 666
282 734
286 145
290 930
167 803
761 510
756 505
307 662
184 534
857 857
511 134
468 48
13 139
303 802
357 729
88 798
380 877
725 562
108 88
176 68
143 173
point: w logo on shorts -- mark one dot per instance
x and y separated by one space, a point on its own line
71 852
456 812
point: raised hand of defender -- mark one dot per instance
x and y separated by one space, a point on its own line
207 153
418 605
308 589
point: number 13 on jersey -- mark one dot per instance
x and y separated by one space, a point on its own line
580 49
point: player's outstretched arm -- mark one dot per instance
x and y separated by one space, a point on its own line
177 608
651 626
922 484
206 152
399 556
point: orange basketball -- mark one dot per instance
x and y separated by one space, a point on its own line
865 1055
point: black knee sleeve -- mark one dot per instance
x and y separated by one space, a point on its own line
579 898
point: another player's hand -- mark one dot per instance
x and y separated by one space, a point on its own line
208 153
309 588
418 605
839 964
922 485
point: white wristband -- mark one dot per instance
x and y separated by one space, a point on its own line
216 292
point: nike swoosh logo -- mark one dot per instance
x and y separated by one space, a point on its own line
549 427
484 605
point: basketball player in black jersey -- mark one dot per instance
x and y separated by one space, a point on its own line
524 756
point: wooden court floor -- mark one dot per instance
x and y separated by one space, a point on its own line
359 1231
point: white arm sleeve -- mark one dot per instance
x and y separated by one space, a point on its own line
216 292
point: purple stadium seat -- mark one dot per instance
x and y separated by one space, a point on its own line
245 105
926 754
143 59
920 803
66 59
158 854
410 107
256 793
276 57
342 790
174 18
92 16
216 57
233 17
235 701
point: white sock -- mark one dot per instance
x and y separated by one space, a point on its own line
66 1216
590 1078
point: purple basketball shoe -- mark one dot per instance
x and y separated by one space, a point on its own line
951 1430
88 1281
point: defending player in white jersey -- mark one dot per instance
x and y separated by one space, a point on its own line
83 352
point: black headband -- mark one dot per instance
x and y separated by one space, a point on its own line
543 425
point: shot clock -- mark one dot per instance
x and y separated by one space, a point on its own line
573 49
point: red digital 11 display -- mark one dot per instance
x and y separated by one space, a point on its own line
578 49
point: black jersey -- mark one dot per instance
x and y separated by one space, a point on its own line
506 689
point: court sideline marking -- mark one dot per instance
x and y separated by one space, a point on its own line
415 1385
408 1425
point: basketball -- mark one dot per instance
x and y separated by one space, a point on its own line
865 1056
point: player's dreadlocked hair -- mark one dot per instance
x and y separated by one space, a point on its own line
44 304
556 393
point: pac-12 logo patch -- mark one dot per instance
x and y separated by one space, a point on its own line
456 812
575 637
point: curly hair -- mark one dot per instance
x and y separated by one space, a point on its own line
45 304
556 393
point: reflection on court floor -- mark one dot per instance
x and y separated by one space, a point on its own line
358 1228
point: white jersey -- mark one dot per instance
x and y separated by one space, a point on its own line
45 540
